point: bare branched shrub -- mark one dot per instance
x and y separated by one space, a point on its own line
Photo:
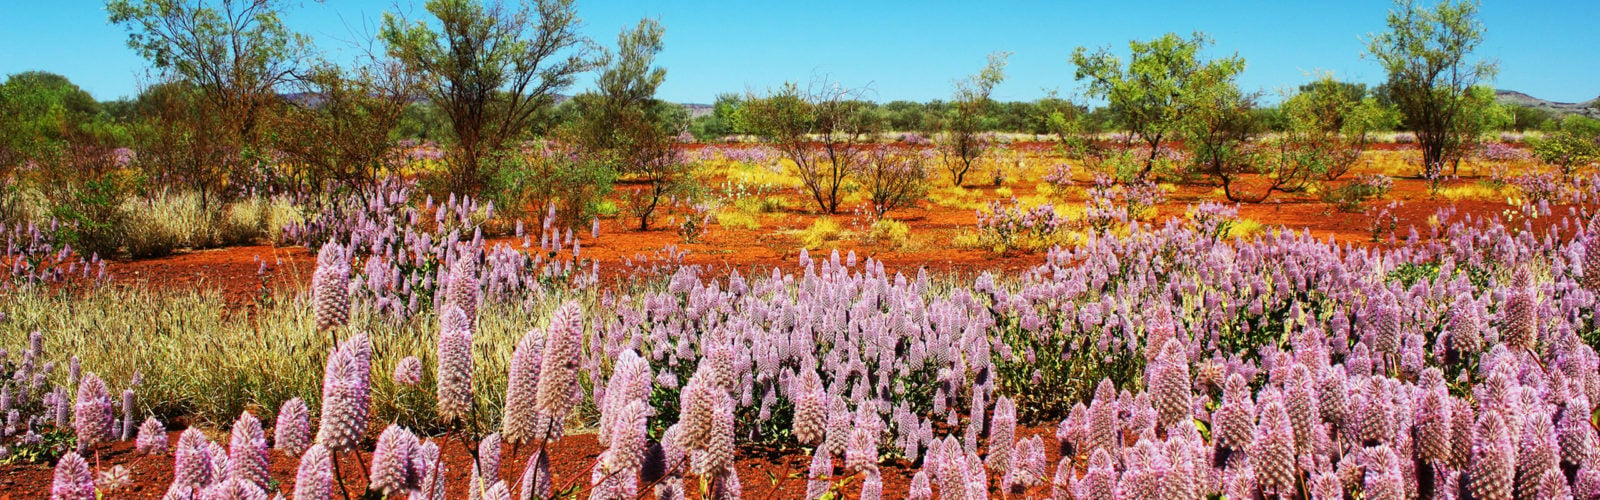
894 178
824 130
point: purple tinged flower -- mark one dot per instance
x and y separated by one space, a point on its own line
192 466
1170 384
1519 328
461 289
535 481
1272 453
819 476
455 365
1234 421
345 394
1463 433
1384 479
72 479
391 470
1028 466
1002 435
292 432
521 422
810 408
1100 481
861 450
725 485
1575 433
630 382
1433 425
408 371
248 450
558 371
152 438
1537 454
1465 334
92 415
1493 463
872 486
920 488
313 480
627 437
233 489
330 287
1103 426
716 457
128 424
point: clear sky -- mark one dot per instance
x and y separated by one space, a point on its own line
901 50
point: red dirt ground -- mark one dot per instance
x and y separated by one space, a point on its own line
762 474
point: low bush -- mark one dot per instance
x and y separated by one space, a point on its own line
821 232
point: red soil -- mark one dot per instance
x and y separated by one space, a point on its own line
762 473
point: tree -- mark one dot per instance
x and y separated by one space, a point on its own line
623 126
720 122
963 142
1219 124
339 131
824 131
237 53
1330 120
1430 80
493 71
1147 95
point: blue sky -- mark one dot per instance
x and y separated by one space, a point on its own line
900 50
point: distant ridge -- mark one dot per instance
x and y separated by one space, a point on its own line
1560 108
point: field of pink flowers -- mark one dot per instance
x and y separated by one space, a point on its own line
1164 357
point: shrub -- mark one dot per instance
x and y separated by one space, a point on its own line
736 218
1363 188
821 232
1002 228
890 233
894 179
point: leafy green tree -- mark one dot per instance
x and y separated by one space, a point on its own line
1219 123
39 112
492 70
1147 95
623 126
1575 143
722 121
962 141
1426 53
1329 122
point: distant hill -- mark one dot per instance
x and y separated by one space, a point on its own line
1513 97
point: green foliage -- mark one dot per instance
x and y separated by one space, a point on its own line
1151 95
1575 143
722 122
1431 81
344 136
622 126
494 73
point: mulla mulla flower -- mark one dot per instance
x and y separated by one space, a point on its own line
330 287
152 438
1494 460
558 369
92 415
455 365
247 451
72 479
292 432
